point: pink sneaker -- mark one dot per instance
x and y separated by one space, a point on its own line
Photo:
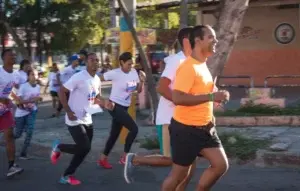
69 180
105 164
122 160
55 153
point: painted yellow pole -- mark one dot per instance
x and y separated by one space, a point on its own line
127 45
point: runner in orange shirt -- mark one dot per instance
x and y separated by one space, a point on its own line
192 131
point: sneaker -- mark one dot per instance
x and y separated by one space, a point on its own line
24 156
55 153
129 168
105 164
69 180
122 160
15 169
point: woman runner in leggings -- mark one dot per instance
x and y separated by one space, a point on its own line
125 80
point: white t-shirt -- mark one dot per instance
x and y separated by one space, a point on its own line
165 107
83 90
26 92
53 83
123 84
7 82
67 73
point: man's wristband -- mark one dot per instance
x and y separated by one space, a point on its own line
211 97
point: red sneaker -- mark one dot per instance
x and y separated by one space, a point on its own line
105 164
69 180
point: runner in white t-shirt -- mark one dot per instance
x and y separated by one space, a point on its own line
164 112
53 84
8 80
84 88
125 80
70 70
25 66
25 115
67 73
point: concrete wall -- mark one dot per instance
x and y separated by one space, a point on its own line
257 53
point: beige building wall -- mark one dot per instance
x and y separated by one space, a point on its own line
257 53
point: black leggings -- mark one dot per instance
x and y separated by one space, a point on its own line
82 136
121 118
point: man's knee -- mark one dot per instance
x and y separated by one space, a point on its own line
9 134
221 167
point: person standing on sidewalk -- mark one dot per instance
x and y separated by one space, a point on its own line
25 115
84 89
8 80
164 114
125 80
192 130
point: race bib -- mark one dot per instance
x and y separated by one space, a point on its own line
131 86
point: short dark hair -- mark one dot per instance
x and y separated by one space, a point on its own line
125 56
197 32
5 51
183 33
84 52
23 63
90 54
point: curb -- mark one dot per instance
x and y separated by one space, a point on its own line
236 121
277 159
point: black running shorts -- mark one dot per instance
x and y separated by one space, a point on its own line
188 141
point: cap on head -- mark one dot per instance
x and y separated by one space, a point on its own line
74 57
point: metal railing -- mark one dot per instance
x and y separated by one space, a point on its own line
282 76
251 82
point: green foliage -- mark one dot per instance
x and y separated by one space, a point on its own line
72 23
150 143
251 109
240 147
235 144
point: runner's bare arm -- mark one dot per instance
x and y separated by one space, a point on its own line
140 85
4 100
63 98
58 79
101 100
181 98
163 88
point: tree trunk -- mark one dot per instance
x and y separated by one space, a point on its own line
183 13
228 26
112 13
21 48
28 40
144 59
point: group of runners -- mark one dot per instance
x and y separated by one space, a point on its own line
185 122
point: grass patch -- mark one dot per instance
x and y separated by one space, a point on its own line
238 146
150 143
235 144
260 110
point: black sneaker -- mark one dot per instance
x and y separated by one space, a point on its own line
24 156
